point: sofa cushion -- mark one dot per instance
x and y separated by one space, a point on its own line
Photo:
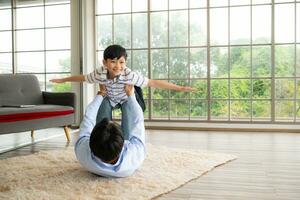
13 114
20 89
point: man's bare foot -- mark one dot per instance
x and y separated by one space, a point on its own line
129 89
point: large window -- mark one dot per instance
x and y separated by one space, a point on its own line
35 39
242 56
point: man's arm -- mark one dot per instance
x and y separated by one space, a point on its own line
167 85
77 78
89 119
133 116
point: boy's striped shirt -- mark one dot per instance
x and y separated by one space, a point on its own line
115 88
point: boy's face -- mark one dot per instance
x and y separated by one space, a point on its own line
114 66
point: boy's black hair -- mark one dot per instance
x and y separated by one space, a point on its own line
106 141
114 51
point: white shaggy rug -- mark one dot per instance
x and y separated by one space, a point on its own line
57 175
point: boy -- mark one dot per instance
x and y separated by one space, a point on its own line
102 148
113 75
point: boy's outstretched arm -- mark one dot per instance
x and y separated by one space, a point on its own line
166 85
77 78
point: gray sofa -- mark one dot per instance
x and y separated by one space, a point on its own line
24 107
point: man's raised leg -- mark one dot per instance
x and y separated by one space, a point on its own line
105 110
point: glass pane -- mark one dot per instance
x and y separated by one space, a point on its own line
139 30
117 113
219 88
284 60
58 38
298 60
178 34
240 62
58 61
48 2
198 36
30 62
219 62
240 110
22 3
128 62
30 40
160 109
5 16
32 17
122 30
284 89
139 5
280 1
261 88
159 61
198 3
261 1
261 61
178 94
179 109
261 110
57 87
146 93
219 26
219 110
284 23
240 88
214 3
140 62
198 63
58 15
5 63
159 4
5 4
298 23
159 29
5 41
41 78
100 58
239 2
178 4
201 89
284 111
104 7
104 31
261 24
240 25
298 88
160 93
178 63
146 113
121 6
198 110
298 111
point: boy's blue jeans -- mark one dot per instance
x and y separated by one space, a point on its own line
105 111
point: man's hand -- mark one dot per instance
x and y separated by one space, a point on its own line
102 91
129 89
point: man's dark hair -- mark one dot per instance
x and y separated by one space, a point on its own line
106 141
114 51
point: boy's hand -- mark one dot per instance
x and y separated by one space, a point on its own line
129 89
57 80
187 88
102 91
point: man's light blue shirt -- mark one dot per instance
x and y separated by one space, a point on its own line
133 152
